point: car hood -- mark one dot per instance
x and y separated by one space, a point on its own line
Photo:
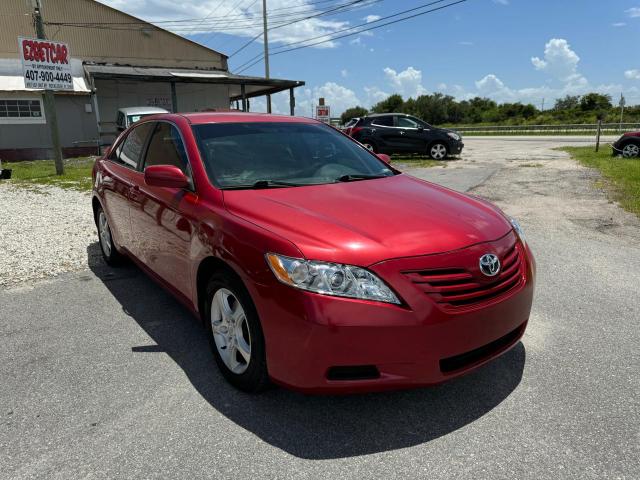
365 222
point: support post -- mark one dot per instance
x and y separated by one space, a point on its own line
174 98
292 102
49 100
266 49
243 92
598 134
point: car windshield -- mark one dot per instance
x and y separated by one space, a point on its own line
282 154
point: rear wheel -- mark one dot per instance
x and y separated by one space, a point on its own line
109 252
235 333
631 150
438 151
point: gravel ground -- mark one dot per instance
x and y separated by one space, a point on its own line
44 231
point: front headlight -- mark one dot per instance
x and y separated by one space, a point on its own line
518 229
455 136
330 278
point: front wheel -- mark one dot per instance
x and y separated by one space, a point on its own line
235 334
631 150
369 145
438 151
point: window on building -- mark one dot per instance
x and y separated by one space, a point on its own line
21 110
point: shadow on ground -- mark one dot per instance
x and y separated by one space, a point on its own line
305 426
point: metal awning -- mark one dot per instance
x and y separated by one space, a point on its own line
253 86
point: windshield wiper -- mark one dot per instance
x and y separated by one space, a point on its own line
263 184
351 178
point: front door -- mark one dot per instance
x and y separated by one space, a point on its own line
163 219
412 136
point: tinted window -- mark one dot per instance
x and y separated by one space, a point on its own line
129 151
240 154
406 122
166 148
386 121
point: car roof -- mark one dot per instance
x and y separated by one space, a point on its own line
374 115
141 110
239 117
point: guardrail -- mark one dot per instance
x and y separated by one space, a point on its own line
575 128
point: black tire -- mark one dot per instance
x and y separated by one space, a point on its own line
370 145
255 378
110 252
438 150
630 149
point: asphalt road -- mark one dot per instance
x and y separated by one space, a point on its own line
104 375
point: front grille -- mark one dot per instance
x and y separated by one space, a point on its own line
460 287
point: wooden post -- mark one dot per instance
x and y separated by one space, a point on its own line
243 92
292 102
49 100
598 134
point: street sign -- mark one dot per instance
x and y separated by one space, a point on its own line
323 113
45 64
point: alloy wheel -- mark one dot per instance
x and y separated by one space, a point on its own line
231 331
105 234
438 151
631 151
368 146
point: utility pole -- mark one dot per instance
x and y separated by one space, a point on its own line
48 98
542 109
622 103
266 49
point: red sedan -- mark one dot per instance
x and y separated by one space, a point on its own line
311 261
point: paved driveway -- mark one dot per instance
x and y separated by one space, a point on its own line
104 375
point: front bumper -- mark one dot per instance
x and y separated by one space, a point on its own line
455 148
417 344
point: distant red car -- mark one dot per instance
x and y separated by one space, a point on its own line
628 145
311 261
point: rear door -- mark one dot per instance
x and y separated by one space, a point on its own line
163 219
116 180
384 133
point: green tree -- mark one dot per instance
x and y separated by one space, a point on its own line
592 102
353 112
570 102
391 104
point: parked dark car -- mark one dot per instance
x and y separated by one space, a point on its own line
401 133
628 145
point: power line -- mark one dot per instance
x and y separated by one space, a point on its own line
322 13
363 30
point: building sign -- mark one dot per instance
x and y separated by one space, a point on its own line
160 102
45 64
323 113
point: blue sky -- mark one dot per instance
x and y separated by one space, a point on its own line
508 50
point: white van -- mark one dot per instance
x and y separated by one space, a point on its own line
130 115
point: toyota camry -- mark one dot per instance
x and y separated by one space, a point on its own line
311 261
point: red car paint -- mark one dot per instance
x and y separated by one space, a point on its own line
420 238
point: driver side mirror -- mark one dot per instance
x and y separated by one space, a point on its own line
420 128
168 176
385 158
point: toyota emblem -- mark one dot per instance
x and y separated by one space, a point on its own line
489 264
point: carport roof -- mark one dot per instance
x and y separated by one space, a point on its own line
254 86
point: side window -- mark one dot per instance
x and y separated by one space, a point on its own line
386 121
405 122
129 151
166 148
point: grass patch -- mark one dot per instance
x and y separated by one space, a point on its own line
622 174
417 161
77 173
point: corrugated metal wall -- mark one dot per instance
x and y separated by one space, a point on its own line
145 45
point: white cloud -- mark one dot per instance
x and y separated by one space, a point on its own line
230 17
501 2
619 24
560 60
633 74
633 12
408 82
344 73
374 95
466 44
355 41
371 18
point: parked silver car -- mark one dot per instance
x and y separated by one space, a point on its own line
130 115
